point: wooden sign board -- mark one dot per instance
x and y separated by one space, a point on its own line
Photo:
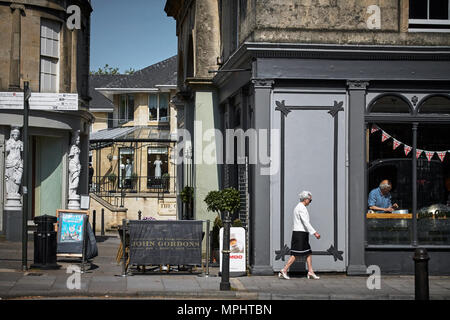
71 232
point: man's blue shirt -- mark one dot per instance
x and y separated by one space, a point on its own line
376 198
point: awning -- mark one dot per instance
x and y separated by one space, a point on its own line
101 138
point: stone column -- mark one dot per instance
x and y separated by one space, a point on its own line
14 67
357 178
260 196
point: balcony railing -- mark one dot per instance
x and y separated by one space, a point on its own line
108 187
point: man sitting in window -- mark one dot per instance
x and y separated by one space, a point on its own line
380 198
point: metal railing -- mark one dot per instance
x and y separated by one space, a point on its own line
107 187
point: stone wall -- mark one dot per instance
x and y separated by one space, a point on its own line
332 21
23 22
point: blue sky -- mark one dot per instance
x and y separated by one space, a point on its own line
131 34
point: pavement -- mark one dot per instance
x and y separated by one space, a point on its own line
104 280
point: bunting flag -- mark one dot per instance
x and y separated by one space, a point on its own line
396 144
384 136
441 155
374 128
407 149
418 153
429 155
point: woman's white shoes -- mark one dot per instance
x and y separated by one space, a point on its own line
313 276
283 274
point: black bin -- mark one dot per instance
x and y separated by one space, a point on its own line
45 243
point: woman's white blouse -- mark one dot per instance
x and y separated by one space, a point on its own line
301 219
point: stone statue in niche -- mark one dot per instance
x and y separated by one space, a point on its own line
74 171
13 169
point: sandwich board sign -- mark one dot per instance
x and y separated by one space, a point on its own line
71 236
237 251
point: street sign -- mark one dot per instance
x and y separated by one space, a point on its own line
40 101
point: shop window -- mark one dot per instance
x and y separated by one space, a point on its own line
433 184
157 167
126 108
388 160
436 104
429 15
158 107
390 154
390 104
126 169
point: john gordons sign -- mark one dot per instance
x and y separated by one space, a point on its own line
165 242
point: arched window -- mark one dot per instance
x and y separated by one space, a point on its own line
390 104
436 104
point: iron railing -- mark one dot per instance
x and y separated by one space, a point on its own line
113 190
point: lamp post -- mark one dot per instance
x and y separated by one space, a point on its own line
26 98
225 282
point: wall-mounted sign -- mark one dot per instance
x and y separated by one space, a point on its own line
237 251
40 101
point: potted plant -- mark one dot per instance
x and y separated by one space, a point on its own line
187 197
112 177
221 202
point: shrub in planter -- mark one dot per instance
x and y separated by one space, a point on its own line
226 200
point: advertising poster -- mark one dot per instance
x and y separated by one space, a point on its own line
71 231
237 251
71 227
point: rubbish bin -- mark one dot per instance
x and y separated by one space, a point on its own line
45 243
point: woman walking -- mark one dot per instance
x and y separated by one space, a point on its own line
300 234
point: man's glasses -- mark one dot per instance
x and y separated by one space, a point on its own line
310 200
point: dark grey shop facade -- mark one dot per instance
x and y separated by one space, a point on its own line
341 118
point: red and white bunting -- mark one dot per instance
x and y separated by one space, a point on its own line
374 128
429 154
407 149
396 144
441 155
384 136
418 153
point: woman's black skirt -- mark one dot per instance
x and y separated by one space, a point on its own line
300 244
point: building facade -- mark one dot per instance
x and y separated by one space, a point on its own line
351 93
132 143
41 47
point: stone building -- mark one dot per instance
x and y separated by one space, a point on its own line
132 142
45 43
352 92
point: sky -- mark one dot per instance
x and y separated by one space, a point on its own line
131 34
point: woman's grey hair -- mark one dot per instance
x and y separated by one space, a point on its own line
304 195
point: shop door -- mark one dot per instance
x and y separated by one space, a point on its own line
312 134
48 175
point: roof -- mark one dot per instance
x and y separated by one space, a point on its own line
163 73
99 101
130 134
157 77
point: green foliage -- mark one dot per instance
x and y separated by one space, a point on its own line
187 194
237 223
130 71
213 201
105 70
111 177
224 200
